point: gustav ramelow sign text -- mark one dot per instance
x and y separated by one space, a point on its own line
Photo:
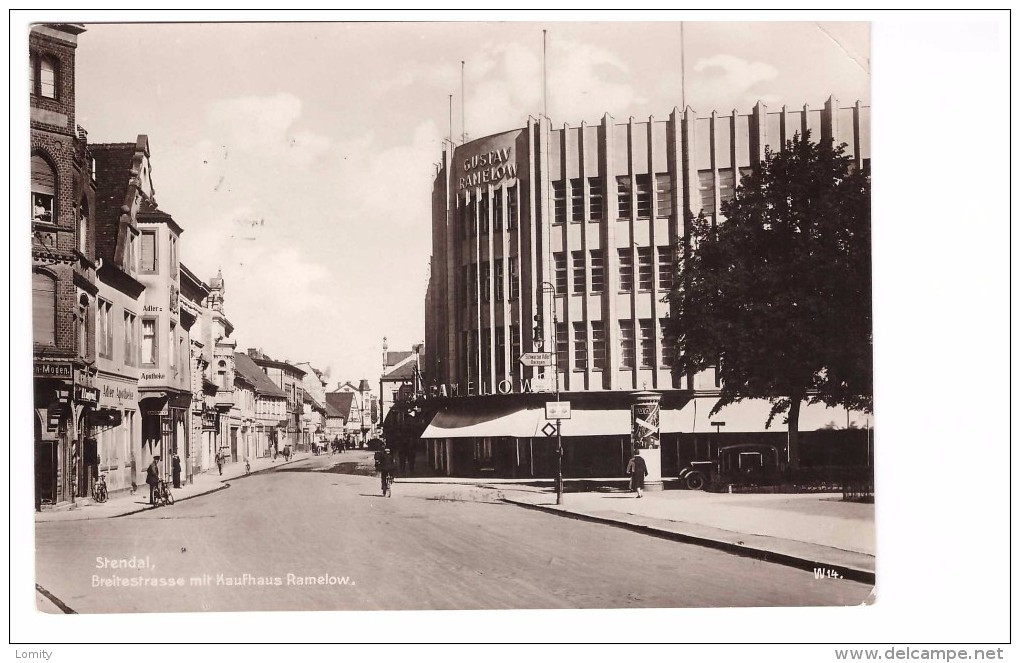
488 168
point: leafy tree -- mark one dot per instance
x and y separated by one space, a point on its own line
778 295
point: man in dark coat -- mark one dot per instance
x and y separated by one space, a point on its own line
638 470
152 478
176 469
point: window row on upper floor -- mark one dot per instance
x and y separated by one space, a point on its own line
481 211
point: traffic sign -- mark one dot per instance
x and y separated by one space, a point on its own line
536 359
549 430
557 410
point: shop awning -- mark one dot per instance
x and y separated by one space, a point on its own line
492 423
750 416
595 422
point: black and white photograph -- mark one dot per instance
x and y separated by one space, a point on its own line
379 317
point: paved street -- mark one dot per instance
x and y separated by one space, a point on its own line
429 547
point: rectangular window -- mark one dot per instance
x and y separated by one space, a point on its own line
576 200
577 264
499 279
500 353
623 196
497 211
515 288
150 261
663 195
44 309
172 345
580 347
483 211
104 337
644 196
598 345
473 283
665 267
562 346
595 198
559 201
668 343
598 271
173 256
485 281
644 259
626 270
647 343
130 343
472 211
515 345
465 279
707 192
465 217
149 345
486 351
727 186
511 207
560 272
626 344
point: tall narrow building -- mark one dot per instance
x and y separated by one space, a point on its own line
64 286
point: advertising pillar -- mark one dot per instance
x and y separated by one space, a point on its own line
644 435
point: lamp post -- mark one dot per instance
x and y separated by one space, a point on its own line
550 289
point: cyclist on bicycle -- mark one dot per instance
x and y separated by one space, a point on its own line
387 468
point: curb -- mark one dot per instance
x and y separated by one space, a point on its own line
847 572
223 485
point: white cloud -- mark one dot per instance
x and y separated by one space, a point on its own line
723 82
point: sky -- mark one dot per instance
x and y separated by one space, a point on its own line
299 157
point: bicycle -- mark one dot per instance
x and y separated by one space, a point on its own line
163 495
99 493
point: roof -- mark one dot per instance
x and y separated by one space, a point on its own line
341 402
400 373
264 360
332 411
394 358
113 178
316 405
244 365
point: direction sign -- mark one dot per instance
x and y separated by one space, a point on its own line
557 410
537 359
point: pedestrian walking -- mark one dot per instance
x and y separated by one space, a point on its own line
638 470
175 467
219 461
152 478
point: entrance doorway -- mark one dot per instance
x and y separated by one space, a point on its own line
45 468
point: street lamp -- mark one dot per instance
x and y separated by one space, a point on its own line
550 289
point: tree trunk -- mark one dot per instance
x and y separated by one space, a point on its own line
792 443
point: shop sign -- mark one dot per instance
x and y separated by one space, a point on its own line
43 369
112 393
152 378
84 378
86 394
489 168
210 419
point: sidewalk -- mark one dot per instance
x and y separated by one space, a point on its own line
807 531
125 503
